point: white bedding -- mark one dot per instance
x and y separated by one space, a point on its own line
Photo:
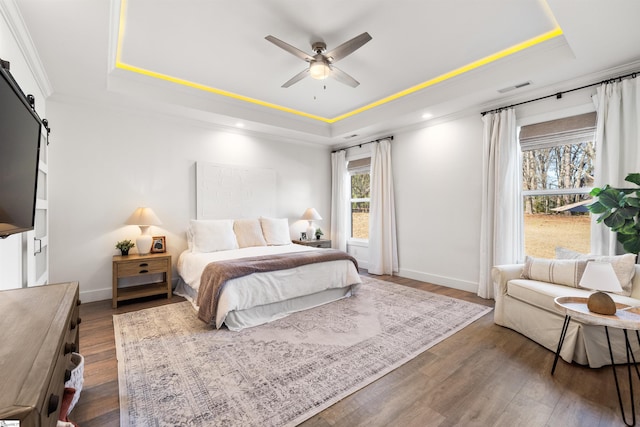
241 295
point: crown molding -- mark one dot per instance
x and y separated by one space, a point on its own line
12 16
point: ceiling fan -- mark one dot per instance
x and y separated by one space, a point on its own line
321 64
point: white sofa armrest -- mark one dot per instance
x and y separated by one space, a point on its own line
635 283
501 274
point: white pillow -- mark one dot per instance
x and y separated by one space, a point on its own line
276 231
567 272
248 233
623 265
213 235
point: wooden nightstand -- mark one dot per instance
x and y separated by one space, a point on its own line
141 265
321 243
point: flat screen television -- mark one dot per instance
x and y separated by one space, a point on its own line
20 129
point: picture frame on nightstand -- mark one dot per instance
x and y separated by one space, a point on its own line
158 244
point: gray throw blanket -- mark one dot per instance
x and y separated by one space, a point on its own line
218 273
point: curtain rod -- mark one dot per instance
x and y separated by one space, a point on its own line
559 94
362 143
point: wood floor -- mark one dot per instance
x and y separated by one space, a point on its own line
484 375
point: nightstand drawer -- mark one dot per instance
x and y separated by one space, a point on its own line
138 267
132 268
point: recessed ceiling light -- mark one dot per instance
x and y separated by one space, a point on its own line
427 116
239 125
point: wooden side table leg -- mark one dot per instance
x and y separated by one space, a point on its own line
563 333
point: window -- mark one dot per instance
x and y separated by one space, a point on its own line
557 174
360 173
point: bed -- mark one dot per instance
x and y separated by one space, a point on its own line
265 295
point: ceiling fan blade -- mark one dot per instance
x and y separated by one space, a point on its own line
343 77
295 79
292 50
347 47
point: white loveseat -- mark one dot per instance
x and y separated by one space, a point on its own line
527 306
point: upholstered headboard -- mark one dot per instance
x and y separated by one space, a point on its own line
225 191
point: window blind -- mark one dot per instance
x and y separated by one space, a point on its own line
359 165
570 130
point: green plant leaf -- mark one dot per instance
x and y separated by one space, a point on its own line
618 218
632 245
610 198
633 178
628 228
633 201
597 208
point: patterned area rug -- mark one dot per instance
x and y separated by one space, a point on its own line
174 370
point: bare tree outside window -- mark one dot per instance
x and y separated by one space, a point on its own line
557 175
360 202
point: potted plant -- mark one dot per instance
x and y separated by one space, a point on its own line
124 246
619 209
319 233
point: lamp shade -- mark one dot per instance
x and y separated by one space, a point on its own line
311 215
599 276
143 216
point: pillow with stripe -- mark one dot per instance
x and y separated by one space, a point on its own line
567 272
623 265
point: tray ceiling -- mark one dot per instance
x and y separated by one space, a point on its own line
209 60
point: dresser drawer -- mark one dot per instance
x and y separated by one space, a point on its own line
135 268
50 409
39 331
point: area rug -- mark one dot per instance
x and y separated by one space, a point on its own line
173 370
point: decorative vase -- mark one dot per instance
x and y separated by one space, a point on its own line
124 252
317 237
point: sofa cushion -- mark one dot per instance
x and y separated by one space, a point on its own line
542 294
623 265
567 272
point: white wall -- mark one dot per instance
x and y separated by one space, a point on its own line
437 178
438 183
104 163
13 248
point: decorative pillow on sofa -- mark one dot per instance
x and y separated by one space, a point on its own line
248 233
623 265
567 272
212 235
276 231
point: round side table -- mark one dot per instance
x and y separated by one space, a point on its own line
626 318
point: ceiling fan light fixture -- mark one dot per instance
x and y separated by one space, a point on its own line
319 70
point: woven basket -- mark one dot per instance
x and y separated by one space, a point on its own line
77 377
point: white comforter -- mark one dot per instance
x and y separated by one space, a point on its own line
264 288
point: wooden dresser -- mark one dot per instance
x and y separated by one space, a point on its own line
38 332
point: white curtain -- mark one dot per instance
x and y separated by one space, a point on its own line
383 245
339 200
617 147
501 228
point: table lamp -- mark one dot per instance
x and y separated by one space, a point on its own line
144 218
311 215
599 276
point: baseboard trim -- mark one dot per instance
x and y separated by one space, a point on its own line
463 285
105 293
95 295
